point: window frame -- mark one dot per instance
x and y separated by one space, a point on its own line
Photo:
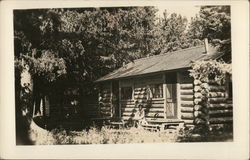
157 84
132 92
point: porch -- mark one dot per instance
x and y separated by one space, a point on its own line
158 93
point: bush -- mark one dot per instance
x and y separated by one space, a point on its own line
210 69
209 134
105 135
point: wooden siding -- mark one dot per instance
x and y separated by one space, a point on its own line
127 109
105 104
154 108
186 98
220 110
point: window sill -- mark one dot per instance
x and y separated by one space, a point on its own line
127 100
158 99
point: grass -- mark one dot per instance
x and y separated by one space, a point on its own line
107 135
101 136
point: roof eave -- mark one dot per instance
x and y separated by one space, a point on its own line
145 74
102 79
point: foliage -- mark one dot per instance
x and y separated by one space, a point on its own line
47 67
210 70
171 33
214 23
82 37
94 41
222 134
78 46
26 99
108 135
105 135
205 73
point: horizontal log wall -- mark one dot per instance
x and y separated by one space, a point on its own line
200 110
220 110
105 101
127 109
217 111
186 100
153 108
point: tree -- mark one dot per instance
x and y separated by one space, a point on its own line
214 23
77 46
88 37
172 32
35 56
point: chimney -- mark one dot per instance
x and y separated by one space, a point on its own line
206 46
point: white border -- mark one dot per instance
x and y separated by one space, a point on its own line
239 149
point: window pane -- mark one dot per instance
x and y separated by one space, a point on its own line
126 93
156 90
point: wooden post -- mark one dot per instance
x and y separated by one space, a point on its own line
206 45
111 99
34 107
133 90
178 96
99 100
164 95
120 114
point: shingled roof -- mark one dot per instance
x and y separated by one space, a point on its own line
164 62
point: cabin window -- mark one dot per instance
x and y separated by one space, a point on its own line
156 90
126 93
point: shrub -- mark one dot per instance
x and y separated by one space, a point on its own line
211 69
105 135
205 72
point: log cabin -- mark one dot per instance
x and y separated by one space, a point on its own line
162 84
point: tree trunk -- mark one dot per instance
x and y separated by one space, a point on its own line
23 114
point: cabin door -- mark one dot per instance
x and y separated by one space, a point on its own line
115 99
171 96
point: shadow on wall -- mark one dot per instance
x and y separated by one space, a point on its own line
146 105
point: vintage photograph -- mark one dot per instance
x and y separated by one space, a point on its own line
123 75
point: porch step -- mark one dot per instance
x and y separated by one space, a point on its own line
172 127
116 124
151 127
163 125
161 121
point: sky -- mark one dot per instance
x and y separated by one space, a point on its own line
188 10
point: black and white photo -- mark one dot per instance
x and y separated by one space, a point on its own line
89 76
